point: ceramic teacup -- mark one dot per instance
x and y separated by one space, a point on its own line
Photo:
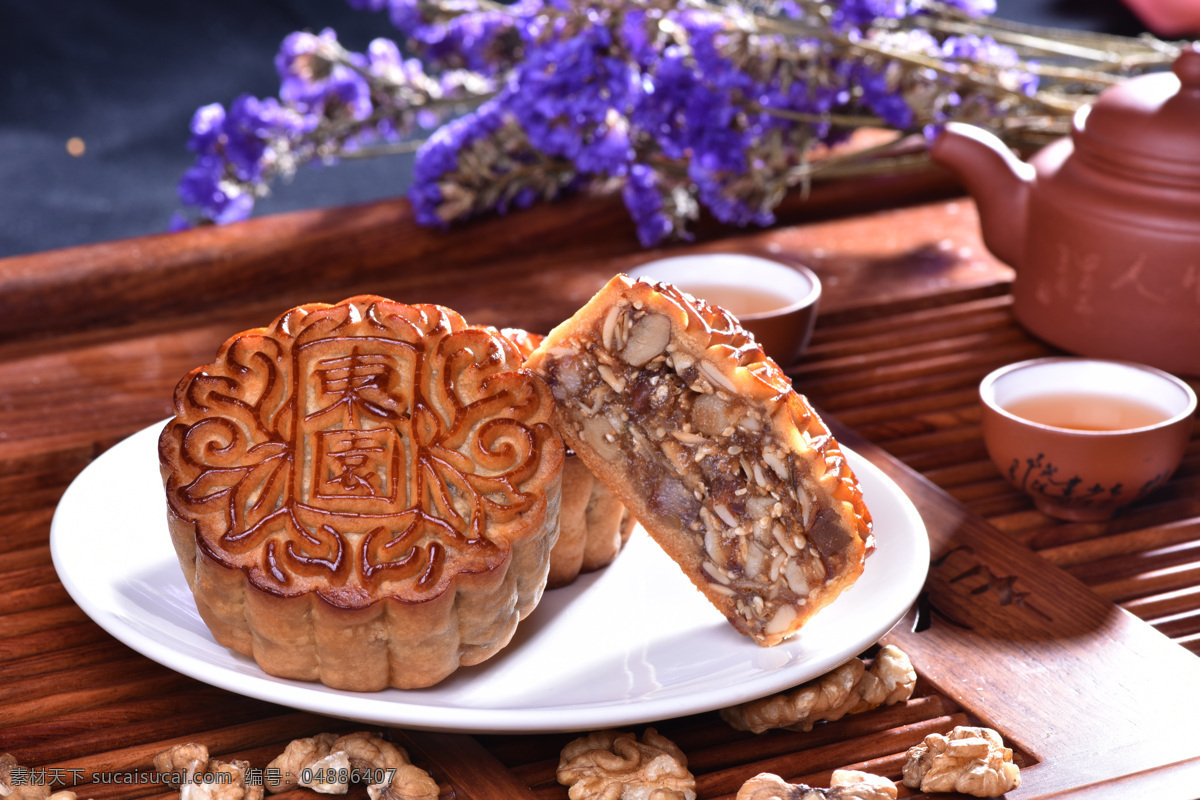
776 302
1084 437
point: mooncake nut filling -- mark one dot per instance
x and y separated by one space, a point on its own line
364 494
675 407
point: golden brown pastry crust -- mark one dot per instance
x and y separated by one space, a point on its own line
364 494
594 525
673 405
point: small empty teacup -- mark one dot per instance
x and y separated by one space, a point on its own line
1084 437
774 301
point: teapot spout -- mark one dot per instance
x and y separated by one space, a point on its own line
998 181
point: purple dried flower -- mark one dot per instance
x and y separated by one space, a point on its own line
383 56
302 70
468 40
862 14
973 49
716 143
313 83
467 37
715 193
405 15
706 34
609 151
973 8
800 96
570 97
206 128
248 127
234 151
203 188
439 157
877 93
644 201
635 37
662 105
689 99
716 100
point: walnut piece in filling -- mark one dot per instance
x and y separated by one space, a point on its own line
674 406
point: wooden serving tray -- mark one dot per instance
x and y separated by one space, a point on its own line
1024 626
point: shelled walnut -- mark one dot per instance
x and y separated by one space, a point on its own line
845 784
202 778
849 689
328 764
609 765
969 760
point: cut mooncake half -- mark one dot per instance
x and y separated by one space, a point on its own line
594 524
673 405
364 494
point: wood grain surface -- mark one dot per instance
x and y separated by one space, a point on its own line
1076 641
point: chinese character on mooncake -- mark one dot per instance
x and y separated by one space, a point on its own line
364 494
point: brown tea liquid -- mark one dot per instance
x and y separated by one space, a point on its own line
1084 411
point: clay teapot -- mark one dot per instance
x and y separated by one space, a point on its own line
1103 226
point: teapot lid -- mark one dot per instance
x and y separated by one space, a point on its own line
1150 123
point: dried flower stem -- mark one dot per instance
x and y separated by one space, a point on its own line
380 150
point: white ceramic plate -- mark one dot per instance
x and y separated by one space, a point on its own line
629 644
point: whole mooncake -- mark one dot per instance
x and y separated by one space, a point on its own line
675 408
364 494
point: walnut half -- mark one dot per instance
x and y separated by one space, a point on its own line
328 764
609 765
968 760
848 689
845 784
203 778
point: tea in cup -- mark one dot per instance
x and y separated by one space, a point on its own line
1083 437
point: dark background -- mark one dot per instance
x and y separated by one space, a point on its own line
125 77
